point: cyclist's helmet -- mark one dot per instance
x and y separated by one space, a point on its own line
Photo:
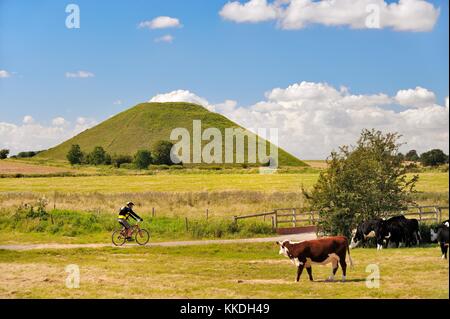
130 204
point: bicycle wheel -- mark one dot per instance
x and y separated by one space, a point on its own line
142 237
118 238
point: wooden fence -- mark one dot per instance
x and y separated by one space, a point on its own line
294 217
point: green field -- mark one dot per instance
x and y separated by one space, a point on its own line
216 271
428 182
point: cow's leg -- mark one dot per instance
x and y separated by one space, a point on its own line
309 270
335 267
344 268
444 250
299 271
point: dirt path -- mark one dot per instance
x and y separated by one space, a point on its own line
295 237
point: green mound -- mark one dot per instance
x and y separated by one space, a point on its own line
140 127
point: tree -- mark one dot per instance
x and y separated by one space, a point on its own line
75 155
161 153
361 182
412 156
98 156
4 153
142 159
433 158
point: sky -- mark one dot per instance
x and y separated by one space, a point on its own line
318 70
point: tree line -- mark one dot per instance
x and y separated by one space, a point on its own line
434 157
159 155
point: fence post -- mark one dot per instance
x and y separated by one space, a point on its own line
419 210
207 214
153 211
276 218
273 222
294 219
186 222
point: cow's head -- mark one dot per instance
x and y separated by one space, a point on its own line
284 250
357 237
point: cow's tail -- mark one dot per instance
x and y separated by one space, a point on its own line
349 257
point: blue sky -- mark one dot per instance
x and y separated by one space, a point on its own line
216 58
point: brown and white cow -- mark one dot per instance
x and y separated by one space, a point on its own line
319 251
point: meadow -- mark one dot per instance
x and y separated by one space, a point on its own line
428 182
217 271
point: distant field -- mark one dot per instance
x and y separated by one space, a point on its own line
217 271
429 182
14 167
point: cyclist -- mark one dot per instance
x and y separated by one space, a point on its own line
125 212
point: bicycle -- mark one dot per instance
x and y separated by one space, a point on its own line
141 236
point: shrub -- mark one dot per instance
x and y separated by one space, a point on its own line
127 166
4 154
98 156
118 160
142 159
75 155
162 153
412 156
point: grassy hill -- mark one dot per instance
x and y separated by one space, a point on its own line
142 126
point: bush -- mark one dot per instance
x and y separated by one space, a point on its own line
159 167
4 154
162 153
98 156
26 154
127 166
75 155
118 160
142 159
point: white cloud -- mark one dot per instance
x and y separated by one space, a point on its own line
117 102
28 119
166 38
32 136
4 74
59 121
418 97
403 15
80 74
161 22
315 118
182 96
252 11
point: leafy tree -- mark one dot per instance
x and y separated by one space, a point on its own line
98 156
118 160
161 153
433 158
361 182
412 156
75 155
142 159
4 153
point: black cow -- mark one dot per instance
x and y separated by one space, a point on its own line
440 234
363 231
391 230
412 232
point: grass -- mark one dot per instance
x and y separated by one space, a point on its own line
28 225
428 182
216 271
